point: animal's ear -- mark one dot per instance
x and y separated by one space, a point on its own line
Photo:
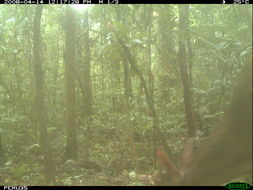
187 153
172 174
167 164
189 150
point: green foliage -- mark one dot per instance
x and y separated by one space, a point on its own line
221 41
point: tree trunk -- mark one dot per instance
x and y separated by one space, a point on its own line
42 115
87 82
69 58
183 17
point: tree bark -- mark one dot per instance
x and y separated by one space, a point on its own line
87 82
183 20
69 58
41 111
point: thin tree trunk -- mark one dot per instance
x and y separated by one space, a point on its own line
157 134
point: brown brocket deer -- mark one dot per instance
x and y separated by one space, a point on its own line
227 153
